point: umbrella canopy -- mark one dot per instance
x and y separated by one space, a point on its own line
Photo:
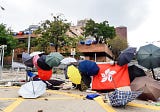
68 60
35 53
35 58
42 64
121 98
148 56
32 89
74 75
53 59
126 56
44 74
88 67
134 72
30 74
27 59
149 86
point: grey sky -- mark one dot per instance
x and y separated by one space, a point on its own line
19 14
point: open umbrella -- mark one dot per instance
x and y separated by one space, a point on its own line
27 59
120 98
68 60
35 53
148 56
32 89
44 74
126 56
53 59
74 75
134 72
149 86
42 64
88 67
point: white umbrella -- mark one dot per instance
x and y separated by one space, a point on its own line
68 60
32 89
35 53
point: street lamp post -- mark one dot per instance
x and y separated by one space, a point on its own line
2 47
29 40
1 58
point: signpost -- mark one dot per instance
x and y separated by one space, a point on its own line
73 52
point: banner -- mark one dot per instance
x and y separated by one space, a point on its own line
110 77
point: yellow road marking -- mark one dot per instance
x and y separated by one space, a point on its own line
101 102
9 87
55 98
8 98
67 94
107 107
11 107
144 106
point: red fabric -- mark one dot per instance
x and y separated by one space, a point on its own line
103 80
44 74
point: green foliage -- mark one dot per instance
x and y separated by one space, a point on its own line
6 38
99 30
53 32
117 45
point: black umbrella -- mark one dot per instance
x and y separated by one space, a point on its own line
126 56
42 64
148 56
134 72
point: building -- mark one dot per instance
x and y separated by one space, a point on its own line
82 23
121 31
75 31
96 52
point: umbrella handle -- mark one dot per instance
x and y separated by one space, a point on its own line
114 82
153 73
33 88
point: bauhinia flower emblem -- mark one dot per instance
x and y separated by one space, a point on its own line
107 75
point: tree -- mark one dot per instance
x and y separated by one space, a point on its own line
99 30
117 44
6 38
53 32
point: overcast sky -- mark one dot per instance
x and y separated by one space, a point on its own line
141 17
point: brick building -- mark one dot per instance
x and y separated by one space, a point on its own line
121 31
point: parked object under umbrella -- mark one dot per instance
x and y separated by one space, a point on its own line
148 56
126 56
149 86
88 67
68 60
32 89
